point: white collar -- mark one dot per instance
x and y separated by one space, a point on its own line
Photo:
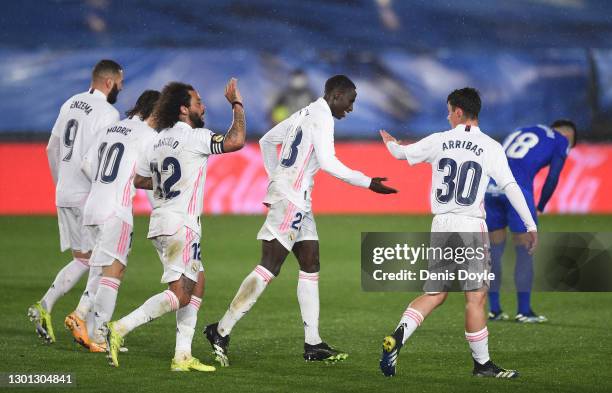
182 124
461 127
321 101
96 93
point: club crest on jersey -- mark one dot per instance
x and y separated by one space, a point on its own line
292 236
218 138
194 267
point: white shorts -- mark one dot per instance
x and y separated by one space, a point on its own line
463 232
113 240
179 254
457 223
73 235
288 224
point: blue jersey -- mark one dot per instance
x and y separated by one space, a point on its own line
530 149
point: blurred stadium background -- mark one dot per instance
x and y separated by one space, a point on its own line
533 61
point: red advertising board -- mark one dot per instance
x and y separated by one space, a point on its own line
236 183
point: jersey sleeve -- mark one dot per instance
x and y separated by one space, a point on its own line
323 141
270 140
207 142
554 172
498 167
56 130
421 151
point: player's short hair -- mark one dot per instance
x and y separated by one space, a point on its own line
566 123
339 82
105 68
468 99
167 110
144 105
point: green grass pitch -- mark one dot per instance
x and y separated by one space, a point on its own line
571 353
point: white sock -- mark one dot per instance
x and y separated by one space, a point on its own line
64 281
186 319
87 299
308 297
153 308
104 304
411 319
479 344
250 289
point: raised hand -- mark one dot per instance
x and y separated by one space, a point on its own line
386 137
232 93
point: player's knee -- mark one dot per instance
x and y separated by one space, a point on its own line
311 265
272 267
81 255
183 297
438 298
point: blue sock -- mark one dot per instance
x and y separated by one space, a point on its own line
523 278
497 252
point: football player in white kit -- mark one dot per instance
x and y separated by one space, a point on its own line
307 140
463 159
111 164
174 166
81 117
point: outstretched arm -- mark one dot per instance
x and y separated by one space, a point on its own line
326 155
236 135
393 145
552 179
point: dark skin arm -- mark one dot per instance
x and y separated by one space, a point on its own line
144 183
236 135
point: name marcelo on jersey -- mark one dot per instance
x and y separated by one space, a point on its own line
166 142
467 145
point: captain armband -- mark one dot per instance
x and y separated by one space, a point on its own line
216 144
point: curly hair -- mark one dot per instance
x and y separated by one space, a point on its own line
167 110
144 105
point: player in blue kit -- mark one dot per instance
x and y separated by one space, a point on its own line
528 150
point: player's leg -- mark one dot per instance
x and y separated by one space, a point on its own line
180 273
523 270
80 322
277 236
412 318
70 238
105 301
307 254
496 211
186 320
273 254
477 335
111 251
218 334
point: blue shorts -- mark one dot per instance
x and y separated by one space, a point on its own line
501 214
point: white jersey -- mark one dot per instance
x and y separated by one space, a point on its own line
112 159
307 139
176 161
79 120
462 159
